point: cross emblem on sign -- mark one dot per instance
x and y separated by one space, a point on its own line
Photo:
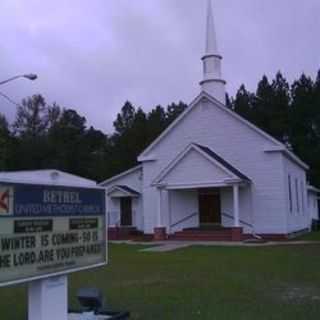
5 201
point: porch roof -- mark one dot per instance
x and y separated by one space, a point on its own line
223 162
198 166
120 191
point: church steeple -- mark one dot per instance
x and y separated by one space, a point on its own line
212 82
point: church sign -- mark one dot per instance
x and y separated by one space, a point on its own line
49 230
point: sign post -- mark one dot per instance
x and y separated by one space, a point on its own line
47 232
48 299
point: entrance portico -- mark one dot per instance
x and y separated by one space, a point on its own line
199 208
123 205
199 202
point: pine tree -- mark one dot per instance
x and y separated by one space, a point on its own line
125 119
157 122
279 109
243 103
262 103
32 117
4 143
303 133
68 149
174 110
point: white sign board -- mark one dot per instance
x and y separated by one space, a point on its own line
50 230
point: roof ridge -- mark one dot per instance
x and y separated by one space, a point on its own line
120 175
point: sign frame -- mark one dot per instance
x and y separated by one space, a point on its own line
9 183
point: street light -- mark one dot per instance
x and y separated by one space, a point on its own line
30 76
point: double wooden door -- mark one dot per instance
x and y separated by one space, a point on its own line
210 208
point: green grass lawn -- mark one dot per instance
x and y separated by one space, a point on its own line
312 236
200 283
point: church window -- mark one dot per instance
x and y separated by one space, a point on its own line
290 192
297 195
302 197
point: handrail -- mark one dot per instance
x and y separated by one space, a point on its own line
184 219
117 221
241 221
112 217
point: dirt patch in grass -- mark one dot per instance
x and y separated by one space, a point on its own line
297 294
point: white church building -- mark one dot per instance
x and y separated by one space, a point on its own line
212 175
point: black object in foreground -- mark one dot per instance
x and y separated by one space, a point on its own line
91 300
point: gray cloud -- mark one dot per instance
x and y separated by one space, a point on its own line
94 55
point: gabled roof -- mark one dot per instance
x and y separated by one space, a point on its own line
127 191
279 147
130 190
223 162
231 172
123 174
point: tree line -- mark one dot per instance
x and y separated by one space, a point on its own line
46 135
290 113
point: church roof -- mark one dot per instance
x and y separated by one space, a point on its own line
279 147
223 162
224 173
121 175
125 191
129 190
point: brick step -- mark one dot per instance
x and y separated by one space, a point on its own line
206 234
200 237
142 238
123 233
191 238
203 235
208 229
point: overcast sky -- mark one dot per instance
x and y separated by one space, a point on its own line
93 55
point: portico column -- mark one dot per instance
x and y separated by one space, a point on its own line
160 232
236 205
159 218
108 224
169 212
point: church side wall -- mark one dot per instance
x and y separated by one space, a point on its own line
298 213
313 205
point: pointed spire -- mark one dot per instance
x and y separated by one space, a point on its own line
212 82
211 39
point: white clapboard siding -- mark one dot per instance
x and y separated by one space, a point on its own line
238 144
132 179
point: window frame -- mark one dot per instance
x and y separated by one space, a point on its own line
297 195
290 194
